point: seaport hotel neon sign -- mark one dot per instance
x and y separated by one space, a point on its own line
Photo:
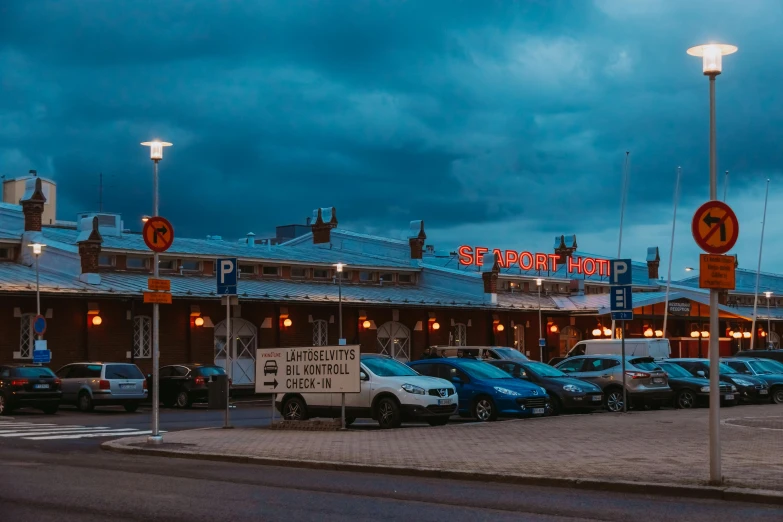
589 266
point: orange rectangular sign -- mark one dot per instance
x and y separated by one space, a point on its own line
159 284
717 272
157 297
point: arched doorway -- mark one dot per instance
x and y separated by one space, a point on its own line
569 336
244 341
394 340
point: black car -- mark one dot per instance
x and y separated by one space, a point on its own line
775 355
769 371
184 384
751 389
29 386
565 392
690 391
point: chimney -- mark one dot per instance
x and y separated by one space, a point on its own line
251 239
653 261
416 237
489 274
33 205
325 219
565 246
89 241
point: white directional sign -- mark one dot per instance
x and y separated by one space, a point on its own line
315 369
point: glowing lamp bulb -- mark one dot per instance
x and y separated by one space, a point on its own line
658 333
763 334
96 320
737 335
287 322
199 321
501 328
607 332
553 328
156 148
436 326
705 334
366 324
694 334
746 335
712 56
597 332
648 332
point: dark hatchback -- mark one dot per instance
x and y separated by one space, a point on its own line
565 393
184 384
690 391
775 355
768 370
29 386
751 389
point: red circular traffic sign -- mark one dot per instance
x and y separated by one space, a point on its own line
715 227
39 324
158 234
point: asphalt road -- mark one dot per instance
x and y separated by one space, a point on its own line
74 480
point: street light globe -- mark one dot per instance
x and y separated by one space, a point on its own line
339 267
37 248
767 294
539 282
156 148
712 56
597 332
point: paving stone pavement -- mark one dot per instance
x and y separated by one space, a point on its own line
664 447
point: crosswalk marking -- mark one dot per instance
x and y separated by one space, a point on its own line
49 431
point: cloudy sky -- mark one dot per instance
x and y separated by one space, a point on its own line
500 123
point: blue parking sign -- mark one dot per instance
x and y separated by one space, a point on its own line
226 276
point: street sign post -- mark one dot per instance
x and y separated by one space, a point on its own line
159 285
315 369
158 234
717 272
157 297
621 305
226 270
41 353
39 325
715 227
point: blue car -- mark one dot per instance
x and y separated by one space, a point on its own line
485 392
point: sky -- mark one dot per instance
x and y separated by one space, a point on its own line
499 123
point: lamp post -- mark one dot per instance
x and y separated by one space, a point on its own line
339 268
539 282
768 295
37 249
712 66
156 154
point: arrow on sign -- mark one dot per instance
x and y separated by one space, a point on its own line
161 230
709 221
273 383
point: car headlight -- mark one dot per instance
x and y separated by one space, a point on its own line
410 388
743 382
506 391
705 389
572 388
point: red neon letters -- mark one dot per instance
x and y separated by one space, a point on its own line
534 261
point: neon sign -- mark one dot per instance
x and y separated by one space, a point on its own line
589 266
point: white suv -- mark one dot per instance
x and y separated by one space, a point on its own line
391 393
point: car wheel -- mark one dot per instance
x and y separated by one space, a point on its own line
131 407
50 410
84 403
388 414
777 395
686 399
183 400
614 400
4 409
437 421
484 410
295 409
556 407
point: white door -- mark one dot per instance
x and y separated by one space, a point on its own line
242 351
394 340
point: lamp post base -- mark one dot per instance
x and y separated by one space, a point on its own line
155 440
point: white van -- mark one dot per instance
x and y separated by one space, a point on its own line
655 348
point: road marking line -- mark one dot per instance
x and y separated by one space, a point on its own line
64 428
55 432
87 435
14 424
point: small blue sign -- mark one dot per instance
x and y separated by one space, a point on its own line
542 343
42 356
39 325
622 316
226 275
621 272
621 298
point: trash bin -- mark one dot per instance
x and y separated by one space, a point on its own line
218 386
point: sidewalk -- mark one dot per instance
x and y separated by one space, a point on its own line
655 452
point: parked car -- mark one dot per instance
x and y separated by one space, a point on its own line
768 370
184 384
565 393
391 393
690 391
646 383
775 355
751 389
27 386
485 392
88 385
488 353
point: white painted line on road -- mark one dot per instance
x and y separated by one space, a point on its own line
55 432
86 435
18 424
51 428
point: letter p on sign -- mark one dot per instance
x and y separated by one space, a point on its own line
621 272
226 269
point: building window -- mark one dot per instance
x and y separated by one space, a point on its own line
346 275
405 278
247 269
167 264
142 337
136 263
26 337
366 277
320 273
387 277
7 253
272 271
459 335
320 333
105 261
298 272
191 266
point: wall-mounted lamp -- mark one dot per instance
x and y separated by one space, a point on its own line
597 332
658 333
366 324
198 321
746 335
287 322
695 334
436 325
500 327
96 320
648 332
705 334
554 328
737 335
607 331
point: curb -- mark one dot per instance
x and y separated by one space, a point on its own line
734 494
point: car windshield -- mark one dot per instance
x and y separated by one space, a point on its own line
483 370
675 371
123 371
34 373
724 368
209 371
543 370
766 367
511 354
384 367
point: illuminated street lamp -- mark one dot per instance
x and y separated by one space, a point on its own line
156 154
37 250
712 66
768 295
339 268
540 282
